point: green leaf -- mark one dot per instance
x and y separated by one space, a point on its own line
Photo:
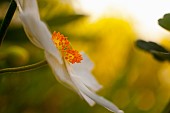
165 22
149 46
161 55
157 51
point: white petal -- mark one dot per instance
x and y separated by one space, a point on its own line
28 6
29 30
88 79
91 95
39 34
83 70
60 72
32 7
88 100
59 69
19 5
98 99
86 63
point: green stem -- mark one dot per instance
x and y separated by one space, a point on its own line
23 68
7 20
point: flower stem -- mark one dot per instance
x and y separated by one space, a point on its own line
23 68
7 20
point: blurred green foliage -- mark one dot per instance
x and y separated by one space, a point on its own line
158 52
132 79
165 22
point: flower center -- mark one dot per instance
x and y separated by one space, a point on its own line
62 43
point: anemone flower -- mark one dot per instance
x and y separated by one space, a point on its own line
69 66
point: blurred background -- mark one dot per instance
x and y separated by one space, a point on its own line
131 78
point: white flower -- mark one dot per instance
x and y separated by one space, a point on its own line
76 76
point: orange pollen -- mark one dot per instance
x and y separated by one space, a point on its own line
62 43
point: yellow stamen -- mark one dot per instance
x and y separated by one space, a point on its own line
61 42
